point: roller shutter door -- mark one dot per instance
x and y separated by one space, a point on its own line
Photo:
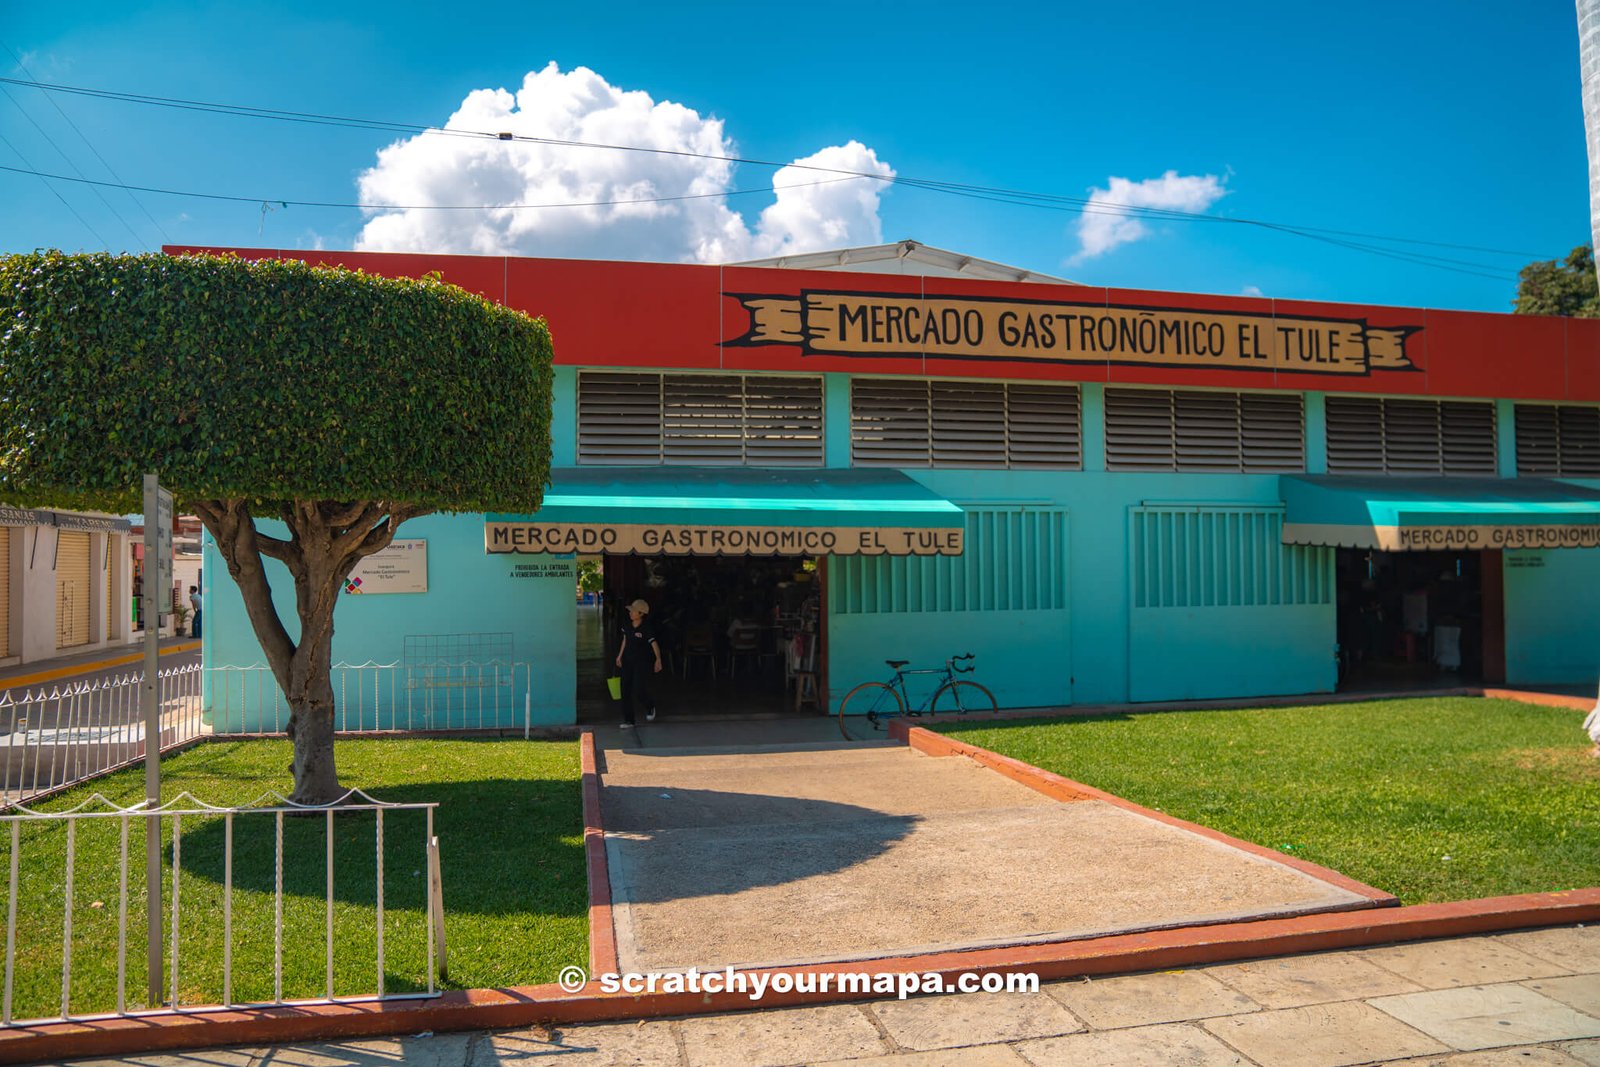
111 593
5 591
72 589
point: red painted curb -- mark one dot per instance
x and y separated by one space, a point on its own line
477 1009
602 934
1054 785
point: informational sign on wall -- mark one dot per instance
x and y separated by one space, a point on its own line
400 568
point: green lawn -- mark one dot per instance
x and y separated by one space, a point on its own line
510 826
1429 799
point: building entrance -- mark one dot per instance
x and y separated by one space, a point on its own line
1419 619
738 635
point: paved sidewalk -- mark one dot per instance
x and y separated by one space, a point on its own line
46 672
1530 997
793 854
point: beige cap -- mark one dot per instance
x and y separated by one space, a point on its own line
639 607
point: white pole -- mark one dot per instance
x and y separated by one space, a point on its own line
152 731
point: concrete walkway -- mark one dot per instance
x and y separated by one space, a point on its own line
786 854
1530 997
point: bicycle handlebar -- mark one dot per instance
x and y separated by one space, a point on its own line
968 658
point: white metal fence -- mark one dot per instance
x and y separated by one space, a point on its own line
52 898
52 738
493 695
55 737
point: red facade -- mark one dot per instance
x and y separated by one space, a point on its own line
692 317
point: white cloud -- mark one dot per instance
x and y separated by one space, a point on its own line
1251 290
1105 224
622 216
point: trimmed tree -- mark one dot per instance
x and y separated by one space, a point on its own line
340 403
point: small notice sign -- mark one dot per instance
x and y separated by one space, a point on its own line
400 568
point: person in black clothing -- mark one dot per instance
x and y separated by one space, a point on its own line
639 658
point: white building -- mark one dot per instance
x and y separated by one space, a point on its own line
65 584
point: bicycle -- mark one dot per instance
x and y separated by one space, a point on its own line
865 709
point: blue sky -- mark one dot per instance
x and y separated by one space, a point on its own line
1459 123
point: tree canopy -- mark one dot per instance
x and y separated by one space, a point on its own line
269 380
1560 287
340 403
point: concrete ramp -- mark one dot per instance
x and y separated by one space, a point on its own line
809 853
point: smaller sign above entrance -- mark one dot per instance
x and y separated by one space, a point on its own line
663 539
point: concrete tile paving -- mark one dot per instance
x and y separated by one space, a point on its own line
1322 1035
1583 1051
1317 978
1442 1023
1178 1044
779 1038
945 1022
1580 991
1142 999
1576 948
1478 1017
1461 962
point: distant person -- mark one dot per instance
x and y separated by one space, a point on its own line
194 601
639 658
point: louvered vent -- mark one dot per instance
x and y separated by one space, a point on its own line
699 420
1467 433
915 423
1044 426
1580 442
1370 435
619 419
1558 441
1162 430
1355 435
1139 430
783 422
889 422
1273 432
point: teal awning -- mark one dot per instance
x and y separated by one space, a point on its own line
1420 514
732 511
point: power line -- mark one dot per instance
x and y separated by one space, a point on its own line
1054 201
404 207
53 189
90 144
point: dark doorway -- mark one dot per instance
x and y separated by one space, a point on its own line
735 632
1417 620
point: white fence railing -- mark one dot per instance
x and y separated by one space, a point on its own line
53 899
55 737
371 697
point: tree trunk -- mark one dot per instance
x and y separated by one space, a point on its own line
316 779
326 542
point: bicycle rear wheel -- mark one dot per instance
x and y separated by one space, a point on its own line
865 709
962 696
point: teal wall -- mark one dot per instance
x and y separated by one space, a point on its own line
1097 647
469 591
1553 616
1077 587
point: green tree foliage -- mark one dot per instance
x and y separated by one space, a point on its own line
1560 287
338 402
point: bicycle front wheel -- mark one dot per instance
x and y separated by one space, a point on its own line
865 709
962 697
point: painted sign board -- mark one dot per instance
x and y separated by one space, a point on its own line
995 328
1443 538
400 568
662 539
